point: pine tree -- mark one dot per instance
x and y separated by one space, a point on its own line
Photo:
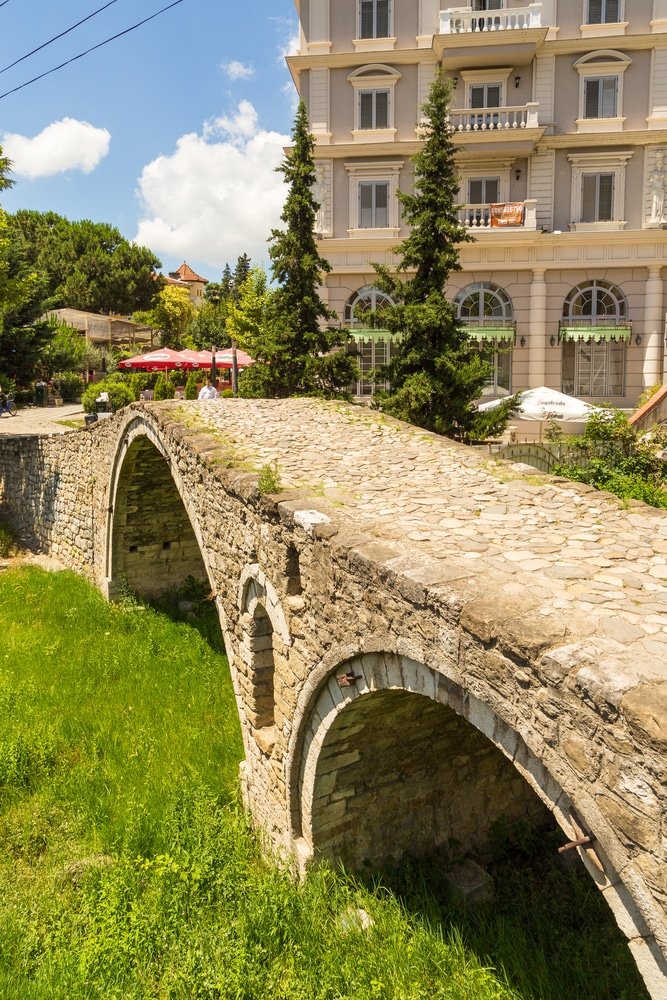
241 272
298 354
435 374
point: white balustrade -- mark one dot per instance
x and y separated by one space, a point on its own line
500 216
461 20
494 119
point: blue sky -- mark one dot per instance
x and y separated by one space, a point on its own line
170 133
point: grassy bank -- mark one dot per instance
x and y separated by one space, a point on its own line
127 869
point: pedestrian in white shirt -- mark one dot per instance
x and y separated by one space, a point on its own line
208 391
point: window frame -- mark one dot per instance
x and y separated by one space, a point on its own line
598 29
374 79
578 348
374 42
601 65
377 173
609 162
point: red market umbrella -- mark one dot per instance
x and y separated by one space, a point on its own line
156 361
223 358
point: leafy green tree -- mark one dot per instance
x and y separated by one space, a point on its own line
68 351
296 353
435 375
163 388
22 336
172 314
209 326
87 265
5 168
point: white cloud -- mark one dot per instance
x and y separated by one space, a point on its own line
217 195
236 70
239 128
65 145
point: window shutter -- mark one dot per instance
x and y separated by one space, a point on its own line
382 109
588 197
606 198
366 109
477 96
612 12
591 97
382 26
366 19
609 91
381 205
594 15
493 95
475 191
365 206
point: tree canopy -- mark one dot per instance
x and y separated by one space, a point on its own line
435 375
86 265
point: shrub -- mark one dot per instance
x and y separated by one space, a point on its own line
69 385
120 395
191 390
163 388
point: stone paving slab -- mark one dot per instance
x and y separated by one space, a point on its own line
581 555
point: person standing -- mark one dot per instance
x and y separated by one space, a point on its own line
208 391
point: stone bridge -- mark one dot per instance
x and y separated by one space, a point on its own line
421 640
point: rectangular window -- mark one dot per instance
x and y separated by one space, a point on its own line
597 197
373 109
500 381
483 190
373 204
485 95
600 96
603 11
374 18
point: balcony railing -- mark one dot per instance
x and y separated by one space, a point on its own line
461 20
505 215
494 119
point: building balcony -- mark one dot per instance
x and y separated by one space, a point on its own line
502 120
513 215
477 38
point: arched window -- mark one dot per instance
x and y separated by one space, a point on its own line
361 306
594 330
375 346
487 313
598 303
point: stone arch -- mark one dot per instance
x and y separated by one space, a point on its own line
148 505
265 638
336 745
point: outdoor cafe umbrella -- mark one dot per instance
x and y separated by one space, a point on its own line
546 404
223 358
156 361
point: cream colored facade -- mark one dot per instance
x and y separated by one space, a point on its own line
559 113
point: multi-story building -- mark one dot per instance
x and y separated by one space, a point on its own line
559 113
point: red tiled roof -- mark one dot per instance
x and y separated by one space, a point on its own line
185 273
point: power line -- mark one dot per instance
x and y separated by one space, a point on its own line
88 51
55 37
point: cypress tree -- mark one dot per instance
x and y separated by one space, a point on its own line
298 354
435 374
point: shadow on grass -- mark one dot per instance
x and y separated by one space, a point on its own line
193 604
547 930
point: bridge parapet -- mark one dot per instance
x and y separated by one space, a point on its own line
393 565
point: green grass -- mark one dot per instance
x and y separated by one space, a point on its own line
127 868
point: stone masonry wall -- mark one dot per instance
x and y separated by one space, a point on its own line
519 606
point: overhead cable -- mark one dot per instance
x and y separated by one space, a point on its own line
55 37
91 49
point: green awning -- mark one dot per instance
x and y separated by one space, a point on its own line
596 333
490 332
372 333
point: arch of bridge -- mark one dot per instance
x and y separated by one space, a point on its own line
532 609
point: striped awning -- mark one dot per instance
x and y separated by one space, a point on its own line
490 333
622 331
359 333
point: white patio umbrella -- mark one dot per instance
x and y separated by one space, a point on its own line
546 404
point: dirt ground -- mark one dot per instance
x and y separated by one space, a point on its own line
42 420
